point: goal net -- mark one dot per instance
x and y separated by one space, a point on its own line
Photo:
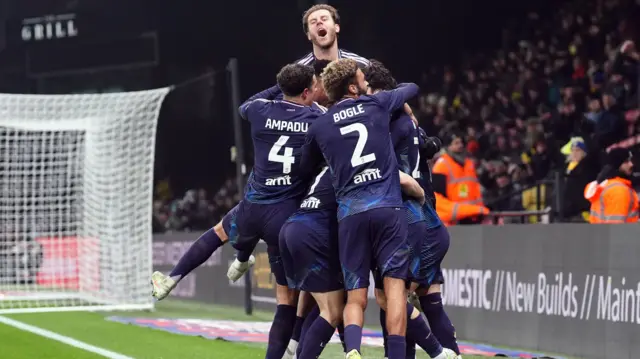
76 187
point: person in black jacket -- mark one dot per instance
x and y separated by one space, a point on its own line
581 169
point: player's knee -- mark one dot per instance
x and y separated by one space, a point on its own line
435 288
333 313
219 229
357 297
286 296
381 299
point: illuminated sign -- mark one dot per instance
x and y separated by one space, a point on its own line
49 27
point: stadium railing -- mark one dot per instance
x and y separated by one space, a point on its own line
543 216
547 196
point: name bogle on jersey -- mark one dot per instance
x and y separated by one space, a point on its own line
278 130
353 137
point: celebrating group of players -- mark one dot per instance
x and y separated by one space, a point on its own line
337 193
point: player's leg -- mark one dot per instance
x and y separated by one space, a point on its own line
416 233
197 254
322 277
331 306
355 257
382 303
290 261
391 253
305 305
430 294
417 332
272 218
308 321
248 228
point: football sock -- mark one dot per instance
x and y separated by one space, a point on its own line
439 322
243 255
311 317
418 331
197 254
318 335
397 347
281 330
341 335
353 337
383 324
411 349
297 329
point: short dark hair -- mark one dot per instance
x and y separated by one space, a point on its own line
379 77
337 77
294 78
332 10
319 65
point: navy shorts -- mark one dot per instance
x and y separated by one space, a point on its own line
309 249
434 249
229 225
375 239
428 246
257 221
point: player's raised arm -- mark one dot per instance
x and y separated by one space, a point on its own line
266 95
395 99
384 88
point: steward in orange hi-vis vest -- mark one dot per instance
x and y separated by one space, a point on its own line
612 198
454 178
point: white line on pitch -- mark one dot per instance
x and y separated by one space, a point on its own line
62 339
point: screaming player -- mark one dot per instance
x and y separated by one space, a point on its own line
321 24
353 137
422 224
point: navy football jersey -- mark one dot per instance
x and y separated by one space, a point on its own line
310 58
428 208
353 136
278 130
321 196
404 136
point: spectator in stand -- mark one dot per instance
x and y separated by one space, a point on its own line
581 169
569 73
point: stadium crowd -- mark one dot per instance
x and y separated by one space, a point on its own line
562 90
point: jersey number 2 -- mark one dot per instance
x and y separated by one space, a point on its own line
286 159
357 158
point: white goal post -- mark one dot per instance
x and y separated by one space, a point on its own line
76 193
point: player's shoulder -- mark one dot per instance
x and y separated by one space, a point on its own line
316 107
308 59
259 104
345 54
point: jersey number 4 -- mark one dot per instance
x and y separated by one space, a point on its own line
357 158
286 159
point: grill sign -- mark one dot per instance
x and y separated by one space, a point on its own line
49 27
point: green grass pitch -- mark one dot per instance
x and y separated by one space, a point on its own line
138 342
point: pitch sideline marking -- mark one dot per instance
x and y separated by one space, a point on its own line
62 339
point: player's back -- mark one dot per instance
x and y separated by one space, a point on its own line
404 136
320 201
278 130
428 207
354 138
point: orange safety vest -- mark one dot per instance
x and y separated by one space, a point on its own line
462 181
451 212
612 201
